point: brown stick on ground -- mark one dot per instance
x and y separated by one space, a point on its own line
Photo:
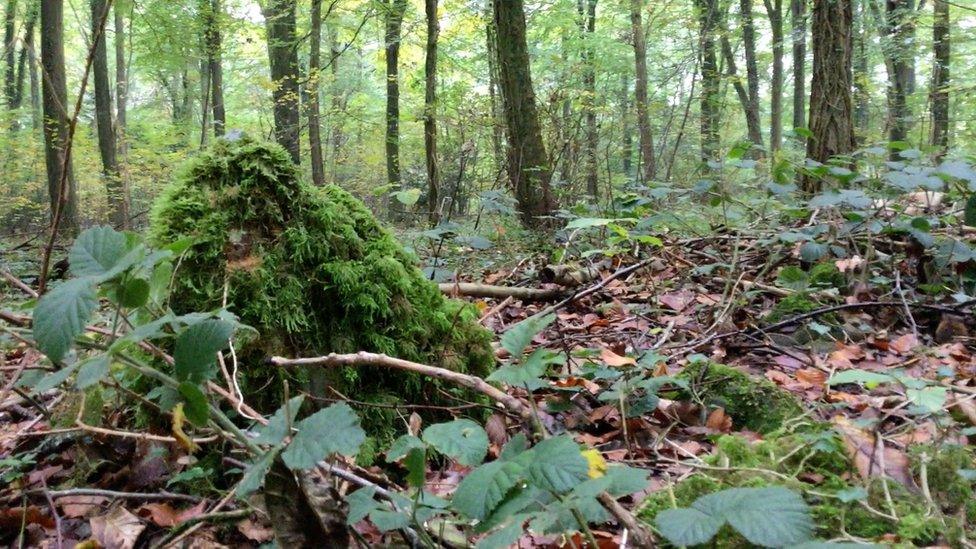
472 289
363 358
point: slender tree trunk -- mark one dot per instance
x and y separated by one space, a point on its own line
939 94
497 121
862 80
118 201
394 21
774 9
528 166
752 74
35 80
831 111
337 104
121 78
279 18
26 53
214 46
711 83
430 112
9 53
56 121
798 22
314 95
587 12
626 131
742 91
897 44
204 102
646 158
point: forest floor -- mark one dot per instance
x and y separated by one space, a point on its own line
903 358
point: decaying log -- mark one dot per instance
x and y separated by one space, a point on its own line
568 275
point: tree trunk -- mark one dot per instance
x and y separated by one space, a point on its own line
337 104
742 91
898 31
430 112
216 67
121 79
710 100
798 23
528 167
394 20
9 54
646 159
626 137
26 54
279 16
587 12
497 122
56 122
118 201
204 101
35 79
939 94
314 95
862 80
752 74
774 9
830 98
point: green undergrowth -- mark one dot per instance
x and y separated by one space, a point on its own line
312 270
810 459
753 403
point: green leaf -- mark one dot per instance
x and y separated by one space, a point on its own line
626 480
792 277
361 503
334 430
518 337
859 376
461 439
277 428
389 520
932 399
97 251
132 293
485 487
62 314
196 349
854 493
408 197
970 211
54 379
771 517
196 403
557 464
402 447
812 251
502 538
254 475
416 464
528 372
687 526
92 371
587 222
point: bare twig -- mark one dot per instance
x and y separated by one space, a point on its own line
471 289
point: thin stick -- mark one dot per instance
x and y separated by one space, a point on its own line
157 496
19 284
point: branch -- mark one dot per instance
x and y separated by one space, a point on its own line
471 289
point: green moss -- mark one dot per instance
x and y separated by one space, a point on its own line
311 269
754 404
791 305
827 274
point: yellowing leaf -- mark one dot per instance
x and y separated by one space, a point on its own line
177 429
597 465
613 359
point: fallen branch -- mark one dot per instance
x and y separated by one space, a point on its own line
642 536
363 358
19 284
156 496
568 275
472 289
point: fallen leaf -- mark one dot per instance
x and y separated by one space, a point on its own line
12 518
812 376
862 447
843 358
904 344
719 421
255 531
849 264
80 506
677 301
163 514
613 359
119 529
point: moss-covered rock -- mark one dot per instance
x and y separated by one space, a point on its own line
310 268
753 403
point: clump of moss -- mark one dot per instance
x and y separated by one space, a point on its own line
792 305
310 268
827 275
754 404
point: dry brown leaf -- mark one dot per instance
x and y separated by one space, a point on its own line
497 429
719 421
904 344
119 529
13 518
863 450
812 376
80 506
255 531
163 514
677 301
845 355
613 359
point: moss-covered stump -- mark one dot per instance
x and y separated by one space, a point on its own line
753 403
310 268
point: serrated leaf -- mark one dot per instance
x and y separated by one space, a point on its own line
132 293
687 526
770 517
416 464
586 222
402 446
485 487
62 314
334 430
388 520
195 353
54 379
196 403
92 371
361 502
931 399
97 251
557 465
526 373
626 480
502 538
277 428
461 439
518 337
254 475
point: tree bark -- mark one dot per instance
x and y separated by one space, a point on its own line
497 121
528 166
752 74
830 98
430 112
646 159
939 94
587 12
204 101
26 53
338 101
709 98
798 23
279 18
214 58
774 9
35 80
121 78
55 94
626 137
9 54
314 95
862 80
742 91
898 31
394 20
118 200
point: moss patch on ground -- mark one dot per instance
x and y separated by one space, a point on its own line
311 269
753 403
